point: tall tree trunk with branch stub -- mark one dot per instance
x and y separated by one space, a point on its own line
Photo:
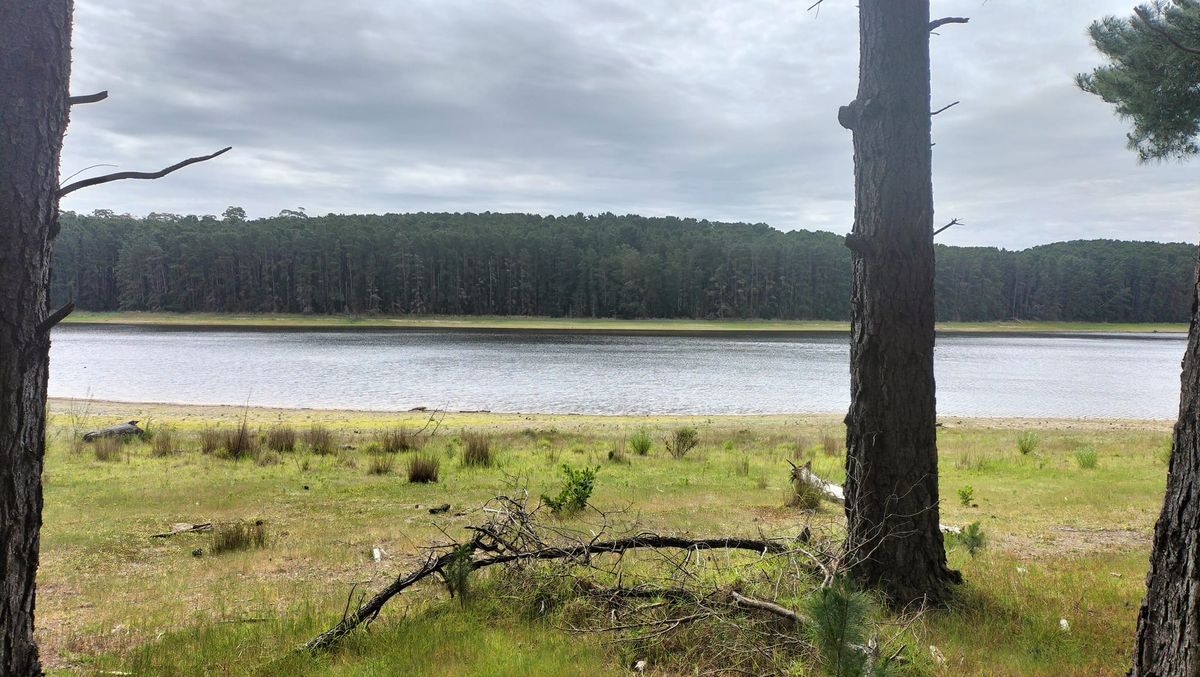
35 49
893 539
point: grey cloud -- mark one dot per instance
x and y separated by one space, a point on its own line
709 109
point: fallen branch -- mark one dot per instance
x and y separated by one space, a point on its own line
184 528
769 607
369 610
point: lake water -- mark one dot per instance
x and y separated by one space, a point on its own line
1109 376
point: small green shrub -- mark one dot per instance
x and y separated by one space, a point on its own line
457 572
477 450
423 468
165 442
577 489
380 464
966 495
281 437
241 535
804 495
319 439
682 441
971 538
640 442
1086 457
1027 442
840 624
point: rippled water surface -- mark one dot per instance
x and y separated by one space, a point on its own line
1126 376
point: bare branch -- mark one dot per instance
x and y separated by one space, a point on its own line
938 23
944 108
118 176
54 318
769 607
1145 17
88 98
953 222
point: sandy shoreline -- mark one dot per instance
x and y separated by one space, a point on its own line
66 407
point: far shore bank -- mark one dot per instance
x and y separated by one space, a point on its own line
205 413
579 325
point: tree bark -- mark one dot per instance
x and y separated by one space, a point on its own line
893 540
35 40
1168 629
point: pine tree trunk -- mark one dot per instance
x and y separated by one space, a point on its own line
893 541
34 72
1168 629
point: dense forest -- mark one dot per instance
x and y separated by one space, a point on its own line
575 266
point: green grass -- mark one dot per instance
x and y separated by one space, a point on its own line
655 326
1062 542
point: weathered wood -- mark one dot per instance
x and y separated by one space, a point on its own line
1168 627
837 494
893 540
371 608
183 528
35 50
127 429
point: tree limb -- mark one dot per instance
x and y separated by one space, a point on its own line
938 23
1145 17
769 607
371 608
88 98
54 318
944 108
118 176
953 222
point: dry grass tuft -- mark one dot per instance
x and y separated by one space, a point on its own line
108 448
165 443
241 535
398 439
380 464
319 439
478 450
281 437
423 468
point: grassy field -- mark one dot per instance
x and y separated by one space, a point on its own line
1064 540
262 321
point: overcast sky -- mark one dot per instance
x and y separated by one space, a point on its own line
716 109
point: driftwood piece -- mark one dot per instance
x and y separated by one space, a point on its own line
184 528
119 430
835 493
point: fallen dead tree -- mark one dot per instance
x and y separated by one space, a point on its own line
681 608
127 429
505 549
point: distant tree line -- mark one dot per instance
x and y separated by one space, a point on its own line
574 266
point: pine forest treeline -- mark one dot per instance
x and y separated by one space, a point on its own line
575 266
